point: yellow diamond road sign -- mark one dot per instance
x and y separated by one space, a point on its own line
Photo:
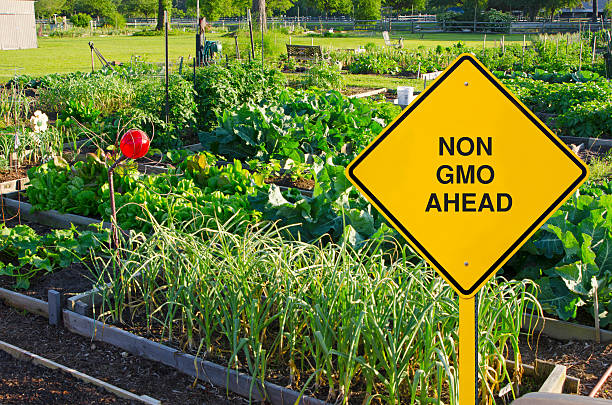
467 174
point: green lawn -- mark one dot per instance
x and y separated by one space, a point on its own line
60 55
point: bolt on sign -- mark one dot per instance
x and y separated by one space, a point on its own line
467 174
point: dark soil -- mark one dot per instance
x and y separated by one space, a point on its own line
106 362
287 181
585 360
14 174
26 383
71 280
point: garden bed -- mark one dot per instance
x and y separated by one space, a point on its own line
69 280
107 362
87 358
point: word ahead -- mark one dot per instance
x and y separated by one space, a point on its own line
467 174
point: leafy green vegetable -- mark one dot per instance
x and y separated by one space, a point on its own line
24 254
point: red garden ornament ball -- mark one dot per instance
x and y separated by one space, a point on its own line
135 144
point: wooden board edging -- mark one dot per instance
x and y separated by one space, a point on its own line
50 218
21 354
21 301
546 369
589 143
563 330
237 382
369 93
12 186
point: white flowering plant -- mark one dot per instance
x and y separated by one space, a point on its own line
39 121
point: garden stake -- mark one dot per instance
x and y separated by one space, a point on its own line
596 310
580 60
601 382
134 144
251 33
523 53
594 47
166 25
115 231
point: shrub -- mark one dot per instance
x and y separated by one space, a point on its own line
219 88
324 76
592 119
80 20
371 47
109 92
377 63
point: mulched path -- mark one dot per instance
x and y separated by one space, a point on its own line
106 362
585 360
26 383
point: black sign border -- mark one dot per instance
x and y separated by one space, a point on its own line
523 238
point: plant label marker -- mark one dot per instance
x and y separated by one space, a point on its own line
466 174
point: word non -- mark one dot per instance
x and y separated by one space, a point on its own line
467 174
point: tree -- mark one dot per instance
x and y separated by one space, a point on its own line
99 8
46 8
162 5
138 7
367 9
259 10
406 4
278 6
552 6
595 10
335 6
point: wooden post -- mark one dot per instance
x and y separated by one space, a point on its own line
580 59
523 52
484 43
55 307
236 44
92 59
594 47
596 310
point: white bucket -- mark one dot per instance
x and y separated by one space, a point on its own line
405 94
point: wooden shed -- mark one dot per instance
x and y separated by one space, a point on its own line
17 24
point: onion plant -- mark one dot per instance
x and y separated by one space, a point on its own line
351 326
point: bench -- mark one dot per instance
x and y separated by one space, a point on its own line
400 42
304 52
